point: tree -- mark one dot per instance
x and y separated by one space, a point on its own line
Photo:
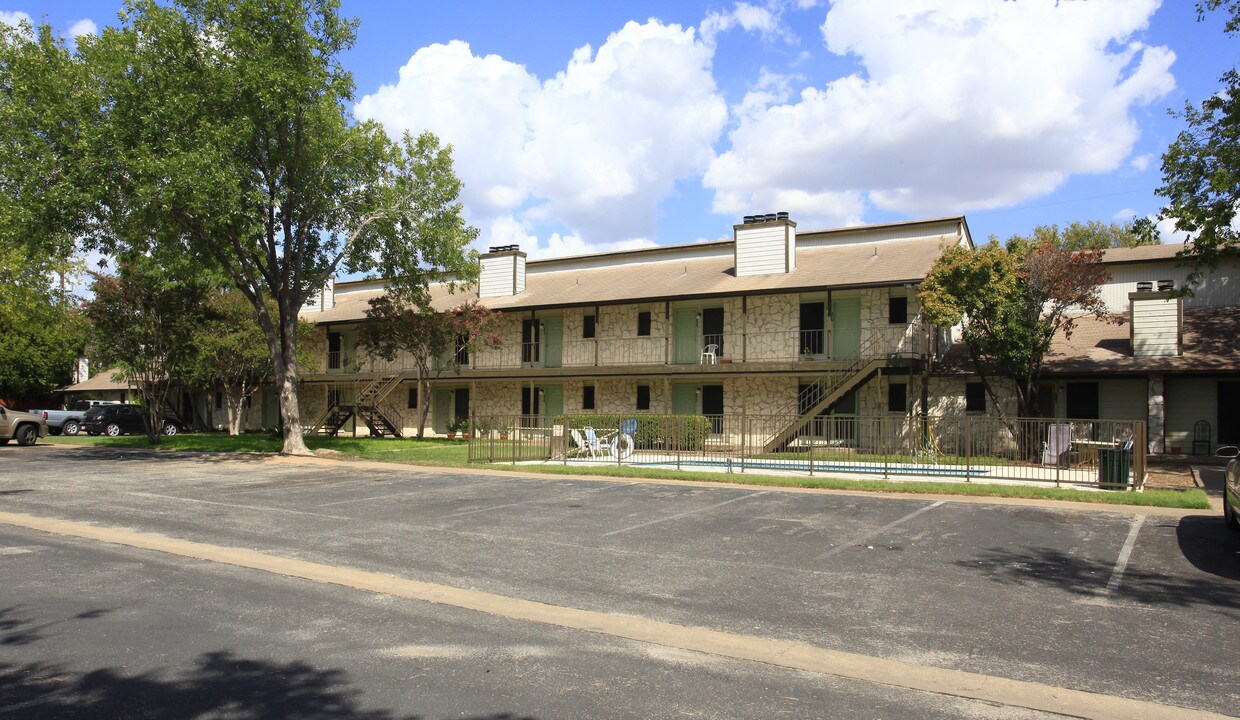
143 320
1013 299
220 129
433 340
1201 168
1096 235
41 328
230 353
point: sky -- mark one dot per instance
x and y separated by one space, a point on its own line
587 127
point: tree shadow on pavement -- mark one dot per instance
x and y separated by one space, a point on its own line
17 632
1048 567
221 685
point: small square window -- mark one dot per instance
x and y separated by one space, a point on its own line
897 310
587 397
897 397
643 397
974 397
413 398
643 323
587 327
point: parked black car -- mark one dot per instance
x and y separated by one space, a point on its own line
123 419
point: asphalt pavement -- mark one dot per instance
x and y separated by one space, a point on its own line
1123 604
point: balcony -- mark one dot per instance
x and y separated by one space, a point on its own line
788 346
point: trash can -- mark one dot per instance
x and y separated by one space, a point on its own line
1113 468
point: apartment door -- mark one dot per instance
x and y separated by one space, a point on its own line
553 341
712 329
553 400
440 410
845 328
460 404
531 342
1228 418
684 399
712 406
685 337
271 408
813 328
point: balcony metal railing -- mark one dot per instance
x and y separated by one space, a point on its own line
785 346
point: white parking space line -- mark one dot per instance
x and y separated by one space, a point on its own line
683 514
415 492
262 508
867 536
535 500
1121 563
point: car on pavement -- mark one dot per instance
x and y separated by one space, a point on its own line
123 419
23 427
1231 487
69 421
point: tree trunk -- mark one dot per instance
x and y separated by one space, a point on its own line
236 403
424 403
286 381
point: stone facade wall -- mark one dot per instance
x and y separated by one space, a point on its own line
620 396
773 327
617 332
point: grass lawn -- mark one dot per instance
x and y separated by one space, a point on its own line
454 453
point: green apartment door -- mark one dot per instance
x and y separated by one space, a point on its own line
441 410
684 399
846 328
685 348
553 341
553 400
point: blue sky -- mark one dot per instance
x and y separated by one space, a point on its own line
591 126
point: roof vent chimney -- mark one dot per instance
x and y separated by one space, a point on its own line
503 272
1165 285
765 245
1145 285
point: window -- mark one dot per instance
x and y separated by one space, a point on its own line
587 327
333 350
587 397
462 349
897 310
897 397
219 400
413 398
643 323
1082 401
643 397
974 397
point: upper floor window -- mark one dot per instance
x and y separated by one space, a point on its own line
587 327
974 397
897 310
462 349
643 323
334 344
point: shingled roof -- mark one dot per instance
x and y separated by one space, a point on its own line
863 264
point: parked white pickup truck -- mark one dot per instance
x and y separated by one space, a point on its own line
69 421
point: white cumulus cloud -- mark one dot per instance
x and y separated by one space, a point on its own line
960 104
85 26
594 148
14 17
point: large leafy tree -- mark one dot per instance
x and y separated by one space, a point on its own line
143 320
230 354
432 340
1096 235
1201 168
220 129
1012 300
41 328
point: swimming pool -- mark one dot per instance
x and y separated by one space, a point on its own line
805 466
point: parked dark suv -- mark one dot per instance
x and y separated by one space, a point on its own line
122 419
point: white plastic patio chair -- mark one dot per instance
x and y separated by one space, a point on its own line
1058 443
582 447
709 353
598 446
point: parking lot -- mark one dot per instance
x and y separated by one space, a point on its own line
1131 604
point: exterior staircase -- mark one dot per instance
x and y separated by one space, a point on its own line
367 405
829 389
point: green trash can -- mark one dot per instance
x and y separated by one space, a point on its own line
1113 468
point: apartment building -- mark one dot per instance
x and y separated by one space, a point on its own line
779 322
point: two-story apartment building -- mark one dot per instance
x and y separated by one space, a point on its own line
771 322
779 322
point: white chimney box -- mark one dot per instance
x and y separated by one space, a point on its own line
765 245
502 272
